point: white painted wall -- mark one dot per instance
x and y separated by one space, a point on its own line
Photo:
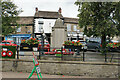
47 25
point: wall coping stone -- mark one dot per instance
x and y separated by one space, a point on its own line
64 62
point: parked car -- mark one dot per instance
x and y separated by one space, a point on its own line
46 45
84 45
8 43
93 45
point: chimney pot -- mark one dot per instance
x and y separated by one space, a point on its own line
36 9
60 10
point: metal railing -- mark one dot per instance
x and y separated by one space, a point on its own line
79 55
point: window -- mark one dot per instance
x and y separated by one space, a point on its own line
75 28
68 27
19 29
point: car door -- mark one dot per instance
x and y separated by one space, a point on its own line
89 45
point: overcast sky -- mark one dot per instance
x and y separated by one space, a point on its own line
69 9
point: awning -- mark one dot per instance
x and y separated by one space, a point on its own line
19 35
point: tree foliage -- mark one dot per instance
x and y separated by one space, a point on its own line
9 17
99 19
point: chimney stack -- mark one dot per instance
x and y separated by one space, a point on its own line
60 10
36 9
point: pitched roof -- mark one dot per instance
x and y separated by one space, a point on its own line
25 20
48 14
71 20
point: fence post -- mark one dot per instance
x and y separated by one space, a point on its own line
83 55
61 53
17 52
39 53
111 57
105 55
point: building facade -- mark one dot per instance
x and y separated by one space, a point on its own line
45 20
25 30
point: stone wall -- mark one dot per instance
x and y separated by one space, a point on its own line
96 70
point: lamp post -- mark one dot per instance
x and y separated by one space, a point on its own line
71 36
42 40
78 31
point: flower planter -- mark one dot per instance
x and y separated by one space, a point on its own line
34 45
25 47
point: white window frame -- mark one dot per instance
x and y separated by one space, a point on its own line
18 29
68 27
75 28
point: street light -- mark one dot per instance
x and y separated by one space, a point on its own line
71 36
42 40
78 31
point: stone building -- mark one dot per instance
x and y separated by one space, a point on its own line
32 25
46 20
24 31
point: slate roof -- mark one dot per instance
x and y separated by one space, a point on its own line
48 14
71 20
25 20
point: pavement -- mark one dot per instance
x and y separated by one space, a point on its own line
26 75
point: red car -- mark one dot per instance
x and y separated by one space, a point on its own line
8 43
46 45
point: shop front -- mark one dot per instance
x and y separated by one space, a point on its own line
17 37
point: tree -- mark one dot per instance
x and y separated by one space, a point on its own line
99 19
9 17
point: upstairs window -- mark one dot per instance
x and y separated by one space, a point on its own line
18 29
68 27
74 28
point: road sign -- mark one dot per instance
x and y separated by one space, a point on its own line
36 68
